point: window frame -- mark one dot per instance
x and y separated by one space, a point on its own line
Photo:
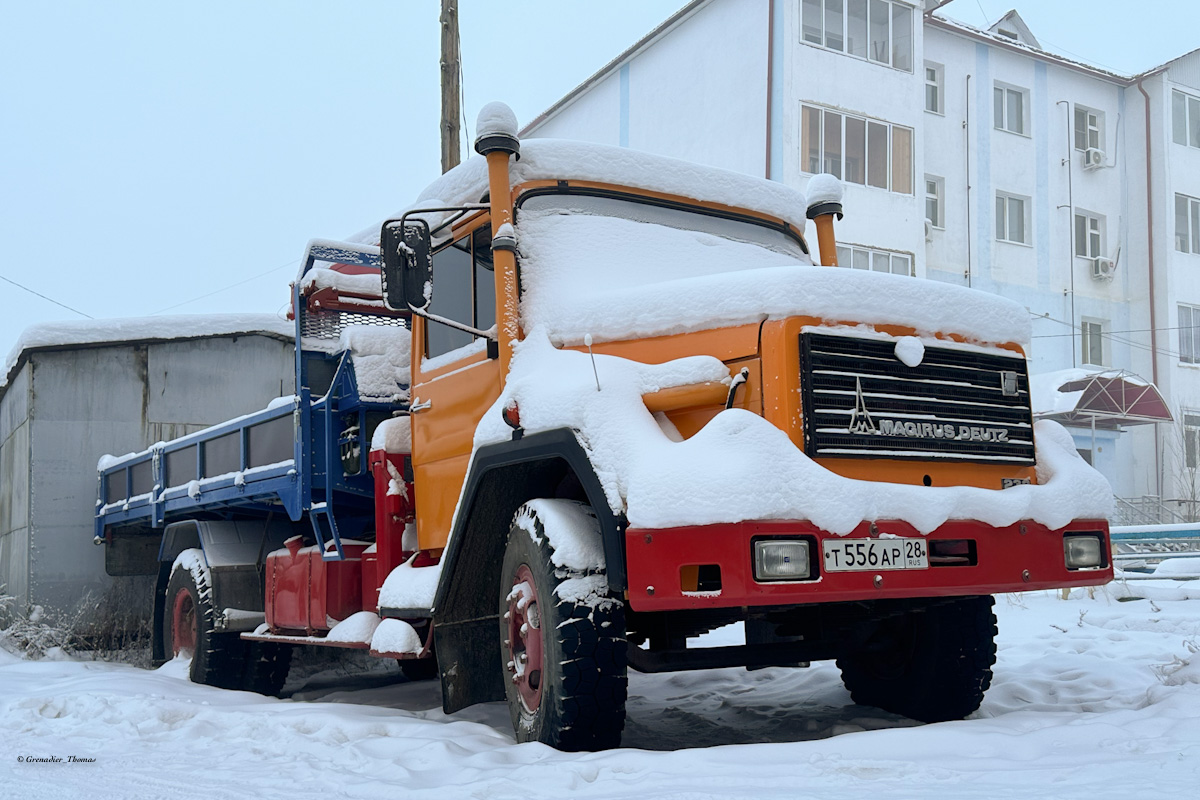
871 170
1088 114
938 221
1185 130
1189 342
1002 121
938 87
1026 203
1189 420
870 256
1090 327
1190 237
842 36
1100 231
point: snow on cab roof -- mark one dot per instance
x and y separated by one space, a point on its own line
560 159
140 329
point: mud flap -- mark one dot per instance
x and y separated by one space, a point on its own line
468 658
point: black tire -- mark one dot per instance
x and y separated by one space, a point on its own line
932 665
418 669
189 623
267 667
579 642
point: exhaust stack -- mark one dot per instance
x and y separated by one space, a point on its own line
824 202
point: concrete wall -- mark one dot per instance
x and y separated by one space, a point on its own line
14 488
85 402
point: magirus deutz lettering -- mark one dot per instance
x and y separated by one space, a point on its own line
861 422
939 430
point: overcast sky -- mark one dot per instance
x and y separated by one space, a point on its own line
153 155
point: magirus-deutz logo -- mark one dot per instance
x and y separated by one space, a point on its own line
862 423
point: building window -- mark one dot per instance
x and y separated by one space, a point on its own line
1092 337
1187 224
1191 440
1185 119
1011 108
1089 129
875 30
934 186
1189 334
857 150
1089 235
1012 222
933 87
876 260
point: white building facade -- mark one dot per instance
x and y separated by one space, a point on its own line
968 156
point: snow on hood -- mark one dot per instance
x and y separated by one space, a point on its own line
617 279
136 329
543 159
762 474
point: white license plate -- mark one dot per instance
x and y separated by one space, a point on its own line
854 555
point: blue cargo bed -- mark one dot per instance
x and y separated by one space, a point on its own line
305 456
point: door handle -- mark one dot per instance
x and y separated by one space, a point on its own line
418 407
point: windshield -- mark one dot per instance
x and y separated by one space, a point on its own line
620 267
737 229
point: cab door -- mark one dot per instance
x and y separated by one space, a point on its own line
456 379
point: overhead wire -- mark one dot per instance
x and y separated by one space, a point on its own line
44 297
226 288
1109 335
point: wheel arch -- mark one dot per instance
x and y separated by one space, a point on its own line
502 477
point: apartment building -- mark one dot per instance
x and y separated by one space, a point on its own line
969 156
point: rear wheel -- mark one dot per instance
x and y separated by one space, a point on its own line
932 665
562 633
189 626
219 659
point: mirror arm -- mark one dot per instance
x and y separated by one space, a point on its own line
451 323
463 209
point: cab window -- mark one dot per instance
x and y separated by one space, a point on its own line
464 290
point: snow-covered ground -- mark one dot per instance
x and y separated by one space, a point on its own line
1092 698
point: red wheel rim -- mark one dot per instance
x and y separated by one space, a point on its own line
183 623
525 639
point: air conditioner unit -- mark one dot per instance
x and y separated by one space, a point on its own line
928 231
1103 269
1093 158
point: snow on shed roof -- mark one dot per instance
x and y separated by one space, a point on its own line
560 159
140 329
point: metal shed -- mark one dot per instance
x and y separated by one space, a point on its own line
73 392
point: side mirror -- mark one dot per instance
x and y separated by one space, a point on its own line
407 265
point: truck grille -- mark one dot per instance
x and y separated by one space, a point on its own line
860 400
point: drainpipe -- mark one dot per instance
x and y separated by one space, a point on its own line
770 88
967 134
1150 275
1070 229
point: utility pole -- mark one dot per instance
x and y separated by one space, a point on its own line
451 111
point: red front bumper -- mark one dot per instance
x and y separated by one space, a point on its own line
1019 557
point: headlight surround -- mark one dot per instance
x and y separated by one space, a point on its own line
781 560
1083 551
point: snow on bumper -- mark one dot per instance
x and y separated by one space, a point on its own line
965 558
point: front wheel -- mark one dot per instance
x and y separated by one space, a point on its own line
562 633
931 665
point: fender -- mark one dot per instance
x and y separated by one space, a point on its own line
465 609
